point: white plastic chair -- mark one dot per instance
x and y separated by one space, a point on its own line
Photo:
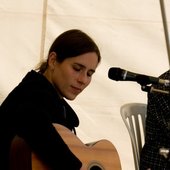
134 115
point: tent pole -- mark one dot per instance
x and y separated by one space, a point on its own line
164 19
43 32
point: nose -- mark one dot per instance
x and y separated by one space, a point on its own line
83 78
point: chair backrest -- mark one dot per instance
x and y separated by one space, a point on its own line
134 115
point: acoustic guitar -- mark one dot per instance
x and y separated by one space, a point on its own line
99 155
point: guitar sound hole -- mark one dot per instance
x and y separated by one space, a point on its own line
95 168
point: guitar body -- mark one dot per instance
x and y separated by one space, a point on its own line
99 155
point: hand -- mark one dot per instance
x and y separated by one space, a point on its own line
83 168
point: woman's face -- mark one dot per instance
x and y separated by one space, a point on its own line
73 75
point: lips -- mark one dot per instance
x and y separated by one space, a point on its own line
76 89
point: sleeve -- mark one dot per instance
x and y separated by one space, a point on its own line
34 127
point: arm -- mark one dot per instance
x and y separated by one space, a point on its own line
34 126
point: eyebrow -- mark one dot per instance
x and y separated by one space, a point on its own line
81 65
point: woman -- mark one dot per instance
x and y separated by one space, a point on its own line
30 110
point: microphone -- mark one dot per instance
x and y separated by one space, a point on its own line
119 74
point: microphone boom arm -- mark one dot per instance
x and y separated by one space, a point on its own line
153 90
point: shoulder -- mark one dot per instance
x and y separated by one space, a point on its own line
165 75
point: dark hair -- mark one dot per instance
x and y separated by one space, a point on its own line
71 43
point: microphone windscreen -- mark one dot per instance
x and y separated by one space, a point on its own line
115 73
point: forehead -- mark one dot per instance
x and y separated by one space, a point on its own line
89 60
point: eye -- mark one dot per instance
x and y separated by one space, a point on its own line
90 73
77 68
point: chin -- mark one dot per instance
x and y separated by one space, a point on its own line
71 97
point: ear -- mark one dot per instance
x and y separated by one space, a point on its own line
52 60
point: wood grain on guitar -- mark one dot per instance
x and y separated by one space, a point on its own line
99 155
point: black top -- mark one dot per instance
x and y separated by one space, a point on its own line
157 128
29 111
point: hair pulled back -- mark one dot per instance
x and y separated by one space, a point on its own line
71 43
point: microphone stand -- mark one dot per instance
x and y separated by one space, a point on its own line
152 89
144 82
164 152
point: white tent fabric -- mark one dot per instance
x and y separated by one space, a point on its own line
129 34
